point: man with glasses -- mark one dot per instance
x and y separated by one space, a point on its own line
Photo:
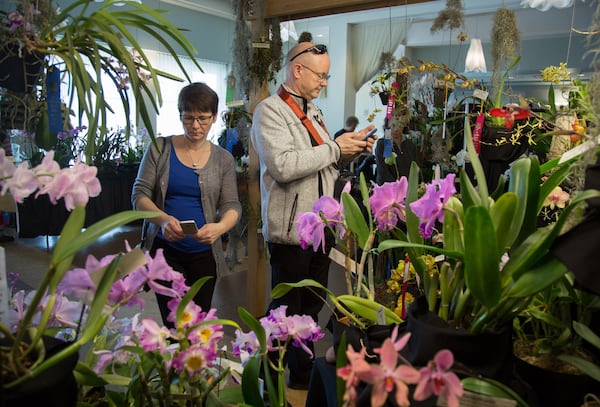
298 163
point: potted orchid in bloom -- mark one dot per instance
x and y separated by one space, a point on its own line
493 257
22 352
130 362
344 218
143 363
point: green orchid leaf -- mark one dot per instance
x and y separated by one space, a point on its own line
255 326
412 194
72 240
477 169
503 213
492 388
283 288
85 376
469 195
525 182
355 219
482 275
395 244
453 225
551 99
587 367
96 312
62 255
548 271
538 243
499 189
586 333
368 309
189 296
364 193
250 382
557 176
547 318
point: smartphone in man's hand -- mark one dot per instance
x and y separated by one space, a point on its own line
371 134
189 227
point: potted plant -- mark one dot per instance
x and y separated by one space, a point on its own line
85 43
544 334
127 361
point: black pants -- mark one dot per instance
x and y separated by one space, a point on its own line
291 264
193 266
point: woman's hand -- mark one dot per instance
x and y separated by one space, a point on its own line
209 233
171 229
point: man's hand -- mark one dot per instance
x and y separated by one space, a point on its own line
353 144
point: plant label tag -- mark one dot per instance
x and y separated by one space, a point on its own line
472 399
261 45
480 94
381 316
578 150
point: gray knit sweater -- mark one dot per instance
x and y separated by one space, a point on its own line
217 181
290 165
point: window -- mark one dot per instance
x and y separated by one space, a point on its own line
167 121
215 76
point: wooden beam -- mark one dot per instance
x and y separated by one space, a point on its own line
295 10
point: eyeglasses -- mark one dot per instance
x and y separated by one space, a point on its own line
315 49
202 120
322 76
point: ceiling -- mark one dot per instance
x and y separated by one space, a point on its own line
478 15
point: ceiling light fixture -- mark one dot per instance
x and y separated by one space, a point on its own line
545 5
475 61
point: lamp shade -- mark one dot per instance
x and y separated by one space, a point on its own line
475 61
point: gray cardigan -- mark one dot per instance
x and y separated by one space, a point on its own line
217 181
290 166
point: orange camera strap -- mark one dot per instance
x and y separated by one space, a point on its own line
289 100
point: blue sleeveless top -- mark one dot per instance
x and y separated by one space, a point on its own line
183 201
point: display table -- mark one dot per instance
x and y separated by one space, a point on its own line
39 217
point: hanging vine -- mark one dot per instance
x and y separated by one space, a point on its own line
241 51
506 40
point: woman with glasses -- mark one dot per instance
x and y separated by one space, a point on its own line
189 179
299 162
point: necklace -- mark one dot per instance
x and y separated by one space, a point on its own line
189 152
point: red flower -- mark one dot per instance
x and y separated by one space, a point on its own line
510 115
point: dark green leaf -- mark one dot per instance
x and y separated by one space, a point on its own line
482 275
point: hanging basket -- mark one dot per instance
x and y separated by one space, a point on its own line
383 96
19 73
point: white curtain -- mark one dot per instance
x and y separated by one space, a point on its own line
367 42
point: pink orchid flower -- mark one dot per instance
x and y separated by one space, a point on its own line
436 378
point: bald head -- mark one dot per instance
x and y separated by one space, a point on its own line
307 69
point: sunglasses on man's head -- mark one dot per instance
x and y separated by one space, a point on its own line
315 49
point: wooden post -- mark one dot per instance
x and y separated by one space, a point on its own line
257 265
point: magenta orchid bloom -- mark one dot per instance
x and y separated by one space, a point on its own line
430 207
387 203
436 378
310 226
311 230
